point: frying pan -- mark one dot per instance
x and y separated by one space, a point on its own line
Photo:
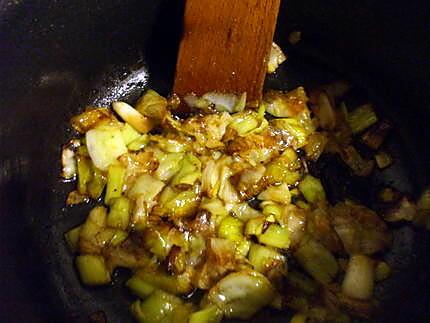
57 56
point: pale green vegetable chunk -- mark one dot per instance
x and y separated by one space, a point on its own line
231 228
72 238
275 236
209 314
161 307
129 134
242 294
115 182
105 145
264 258
359 278
312 189
278 193
146 186
139 287
170 164
317 260
119 214
92 270
138 143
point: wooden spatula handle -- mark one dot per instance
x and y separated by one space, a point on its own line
225 46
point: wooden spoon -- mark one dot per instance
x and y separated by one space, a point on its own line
225 46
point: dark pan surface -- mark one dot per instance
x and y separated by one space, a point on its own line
58 56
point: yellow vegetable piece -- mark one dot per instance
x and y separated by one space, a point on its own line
92 270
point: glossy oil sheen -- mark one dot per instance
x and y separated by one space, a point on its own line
57 56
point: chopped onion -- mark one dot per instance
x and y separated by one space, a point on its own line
359 278
105 145
133 117
225 102
276 58
69 163
404 210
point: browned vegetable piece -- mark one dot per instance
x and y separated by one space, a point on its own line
288 104
91 118
325 112
221 259
315 146
360 229
75 197
359 165
375 136
389 195
319 225
383 159
405 209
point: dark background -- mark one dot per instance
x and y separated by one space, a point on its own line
58 56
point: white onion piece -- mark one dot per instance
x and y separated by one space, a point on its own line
133 117
105 145
276 58
226 102
359 278
68 159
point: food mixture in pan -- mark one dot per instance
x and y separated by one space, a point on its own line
220 203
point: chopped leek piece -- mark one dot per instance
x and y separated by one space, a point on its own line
138 143
152 105
91 118
189 172
210 314
247 122
129 134
264 258
293 131
133 117
302 283
115 182
275 236
359 278
146 186
383 160
361 118
92 270
183 204
215 207
105 145
95 222
272 209
312 189
72 238
278 193
161 307
242 294
169 165
231 228
139 287
118 237
119 214
285 105
97 184
255 226
157 241
223 102
242 246
299 318
172 284
244 211
382 271
84 173
276 58
316 260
